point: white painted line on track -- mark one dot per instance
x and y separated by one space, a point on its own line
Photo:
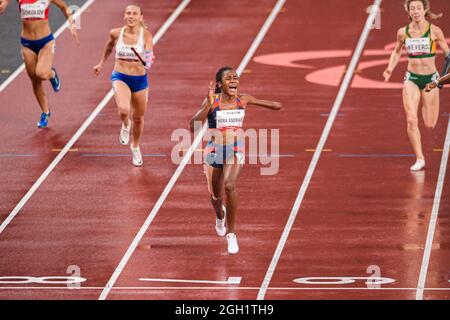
326 131
434 216
230 280
58 32
220 288
83 127
186 158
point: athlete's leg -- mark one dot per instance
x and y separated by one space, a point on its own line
214 179
411 100
231 173
31 59
139 101
122 95
45 62
430 109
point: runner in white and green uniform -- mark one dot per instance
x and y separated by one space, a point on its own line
420 38
420 48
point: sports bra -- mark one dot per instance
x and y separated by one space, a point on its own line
419 48
123 51
34 9
226 119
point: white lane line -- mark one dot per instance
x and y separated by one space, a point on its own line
83 128
185 160
220 288
434 216
58 32
326 131
230 280
55 162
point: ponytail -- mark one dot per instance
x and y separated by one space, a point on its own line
433 16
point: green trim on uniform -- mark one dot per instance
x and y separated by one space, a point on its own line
427 34
421 80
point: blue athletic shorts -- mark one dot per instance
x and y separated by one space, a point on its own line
216 155
36 45
135 83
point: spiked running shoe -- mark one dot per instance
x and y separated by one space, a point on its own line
43 121
56 84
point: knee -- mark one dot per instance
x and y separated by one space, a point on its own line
412 122
123 109
229 187
137 119
430 124
41 74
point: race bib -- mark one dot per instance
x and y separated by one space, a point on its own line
418 46
34 10
125 52
229 118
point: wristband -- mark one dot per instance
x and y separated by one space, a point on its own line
148 58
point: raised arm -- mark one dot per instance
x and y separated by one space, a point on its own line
202 114
3 5
62 5
109 46
249 100
395 55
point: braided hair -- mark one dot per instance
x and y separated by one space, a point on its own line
219 76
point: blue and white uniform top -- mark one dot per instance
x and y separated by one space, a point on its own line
226 119
124 52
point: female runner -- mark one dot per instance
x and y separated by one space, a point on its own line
129 78
38 47
224 154
420 38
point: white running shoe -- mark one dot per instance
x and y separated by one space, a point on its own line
233 247
124 136
419 165
221 229
137 156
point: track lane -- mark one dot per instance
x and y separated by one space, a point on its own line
364 208
182 236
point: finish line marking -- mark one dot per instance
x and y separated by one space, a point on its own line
230 280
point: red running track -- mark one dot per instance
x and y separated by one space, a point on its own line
362 207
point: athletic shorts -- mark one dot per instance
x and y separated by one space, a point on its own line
36 45
135 83
421 80
216 155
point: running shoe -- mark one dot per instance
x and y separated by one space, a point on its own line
124 136
419 165
43 121
56 84
221 229
137 156
233 247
